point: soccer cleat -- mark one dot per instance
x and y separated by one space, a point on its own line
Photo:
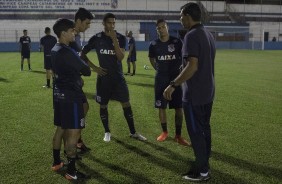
196 177
46 86
107 137
138 137
75 176
57 167
30 69
162 137
181 141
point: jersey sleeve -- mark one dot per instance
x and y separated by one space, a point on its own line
190 46
151 51
90 45
77 64
122 42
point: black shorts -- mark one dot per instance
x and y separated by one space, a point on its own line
109 88
69 115
160 102
47 63
25 54
132 58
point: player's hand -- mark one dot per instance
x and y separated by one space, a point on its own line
100 71
112 34
168 92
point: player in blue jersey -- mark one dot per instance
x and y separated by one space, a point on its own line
110 48
82 20
131 58
25 49
68 96
165 57
47 42
198 55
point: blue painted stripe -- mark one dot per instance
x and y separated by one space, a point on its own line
192 118
75 113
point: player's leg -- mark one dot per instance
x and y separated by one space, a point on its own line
163 120
197 122
57 142
161 82
57 138
47 67
72 121
80 144
28 60
72 136
178 126
127 112
128 66
22 61
103 92
134 68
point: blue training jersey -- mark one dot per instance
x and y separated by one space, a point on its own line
167 55
131 42
25 43
104 47
67 67
48 42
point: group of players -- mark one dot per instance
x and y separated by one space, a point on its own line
68 61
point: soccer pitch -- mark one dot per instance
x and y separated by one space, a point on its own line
246 125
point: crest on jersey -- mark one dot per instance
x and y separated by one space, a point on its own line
171 48
158 103
114 4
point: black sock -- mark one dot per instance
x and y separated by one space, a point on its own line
71 165
127 112
56 157
133 72
128 69
178 124
164 127
29 66
21 66
105 118
48 82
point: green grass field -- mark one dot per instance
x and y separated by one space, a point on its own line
246 126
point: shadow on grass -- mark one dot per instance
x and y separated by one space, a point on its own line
134 176
256 168
90 96
173 166
140 84
94 174
220 177
40 72
170 154
141 75
3 80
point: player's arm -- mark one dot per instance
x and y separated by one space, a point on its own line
130 50
119 51
189 70
87 48
153 62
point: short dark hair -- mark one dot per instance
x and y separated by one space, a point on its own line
24 30
83 14
160 21
192 9
107 16
62 25
47 30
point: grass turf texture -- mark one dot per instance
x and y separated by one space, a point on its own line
246 125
